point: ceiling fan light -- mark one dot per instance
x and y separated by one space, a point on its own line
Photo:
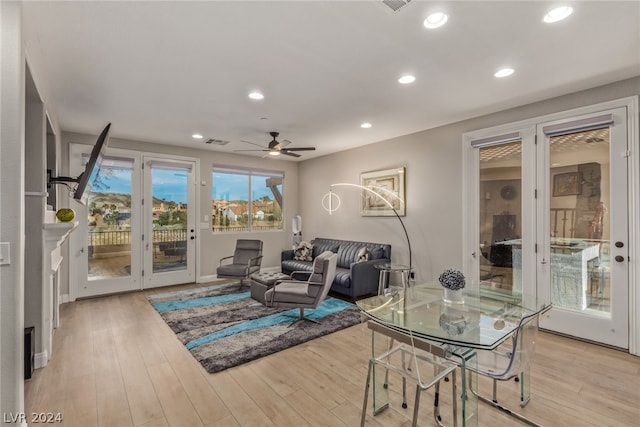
274 153
256 95
196 136
366 125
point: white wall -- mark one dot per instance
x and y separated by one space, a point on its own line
433 159
12 104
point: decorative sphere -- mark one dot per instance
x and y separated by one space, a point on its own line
452 279
65 214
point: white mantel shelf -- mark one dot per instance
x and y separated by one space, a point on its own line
57 232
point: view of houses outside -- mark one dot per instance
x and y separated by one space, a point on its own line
233 210
109 222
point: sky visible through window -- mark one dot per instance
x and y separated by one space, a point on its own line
169 185
228 186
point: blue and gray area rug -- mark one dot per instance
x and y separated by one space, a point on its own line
223 327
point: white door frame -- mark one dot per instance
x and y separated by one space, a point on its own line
151 280
470 195
78 251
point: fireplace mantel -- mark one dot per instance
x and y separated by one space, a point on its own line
55 234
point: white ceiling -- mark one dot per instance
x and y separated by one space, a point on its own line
160 71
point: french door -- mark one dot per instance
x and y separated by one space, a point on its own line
137 228
169 226
583 259
105 251
549 217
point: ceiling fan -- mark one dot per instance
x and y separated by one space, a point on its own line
275 148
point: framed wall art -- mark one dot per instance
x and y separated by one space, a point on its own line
567 184
385 192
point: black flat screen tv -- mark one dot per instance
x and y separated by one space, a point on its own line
93 164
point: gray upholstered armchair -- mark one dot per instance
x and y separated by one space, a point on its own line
305 294
246 260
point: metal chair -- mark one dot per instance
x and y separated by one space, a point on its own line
246 260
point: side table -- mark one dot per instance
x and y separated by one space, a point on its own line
386 268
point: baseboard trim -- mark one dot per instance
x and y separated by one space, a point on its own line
64 298
205 279
40 360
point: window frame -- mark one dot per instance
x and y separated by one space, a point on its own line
249 173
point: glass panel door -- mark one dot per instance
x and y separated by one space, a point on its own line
105 251
500 216
585 255
169 241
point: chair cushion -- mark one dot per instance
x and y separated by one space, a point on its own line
320 266
289 292
236 270
247 249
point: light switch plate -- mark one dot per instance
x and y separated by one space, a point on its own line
5 253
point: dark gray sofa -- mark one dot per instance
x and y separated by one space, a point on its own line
353 279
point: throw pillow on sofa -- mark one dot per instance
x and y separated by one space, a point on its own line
302 251
376 253
363 254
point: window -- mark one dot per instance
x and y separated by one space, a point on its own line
244 200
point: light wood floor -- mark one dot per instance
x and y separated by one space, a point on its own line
116 363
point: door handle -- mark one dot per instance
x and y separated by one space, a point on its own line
619 245
619 258
193 237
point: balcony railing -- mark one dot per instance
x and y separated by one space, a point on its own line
123 237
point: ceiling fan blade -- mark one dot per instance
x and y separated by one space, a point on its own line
301 149
289 153
236 151
253 143
284 143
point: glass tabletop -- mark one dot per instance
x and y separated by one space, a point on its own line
483 320
391 267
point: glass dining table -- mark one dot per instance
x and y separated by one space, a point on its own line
483 320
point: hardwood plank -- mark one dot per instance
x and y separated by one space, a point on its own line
239 403
116 362
277 409
175 403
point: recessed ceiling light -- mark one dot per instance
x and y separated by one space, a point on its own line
274 153
504 72
256 95
435 20
406 79
558 14
365 125
196 136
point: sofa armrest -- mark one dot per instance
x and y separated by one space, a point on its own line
286 255
365 276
